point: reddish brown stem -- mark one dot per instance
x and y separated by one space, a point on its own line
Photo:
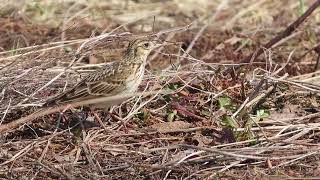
291 28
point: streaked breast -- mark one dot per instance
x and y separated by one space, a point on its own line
135 79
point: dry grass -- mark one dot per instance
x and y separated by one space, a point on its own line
263 123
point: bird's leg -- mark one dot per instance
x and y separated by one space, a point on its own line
61 114
59 120
69 106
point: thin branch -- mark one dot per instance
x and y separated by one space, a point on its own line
43 112
287 32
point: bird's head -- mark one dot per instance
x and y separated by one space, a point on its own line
140 48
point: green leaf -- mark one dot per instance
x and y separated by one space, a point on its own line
171 116
254 142
224 102
228 121
247 134
301 7
205 112
246 42
67 49
262 113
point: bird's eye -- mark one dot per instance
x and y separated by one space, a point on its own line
146 45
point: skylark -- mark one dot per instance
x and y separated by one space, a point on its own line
119 77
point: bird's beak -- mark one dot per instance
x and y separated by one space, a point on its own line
157 44
167 43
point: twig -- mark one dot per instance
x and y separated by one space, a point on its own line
241 13
224 169
296 159
298 84
6 111
181 160
100 121
237 156
61 171
88 154
43 112
292 27
203 28
317 49
20 153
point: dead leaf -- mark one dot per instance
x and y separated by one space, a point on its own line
233 40
202 140
177 157
183 93
288 112
183 111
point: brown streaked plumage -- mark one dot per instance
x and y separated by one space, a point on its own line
119 77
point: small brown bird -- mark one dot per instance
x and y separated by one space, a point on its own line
119 77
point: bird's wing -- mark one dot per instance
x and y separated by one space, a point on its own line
108 80
104 82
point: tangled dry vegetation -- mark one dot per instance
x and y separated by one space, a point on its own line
259 121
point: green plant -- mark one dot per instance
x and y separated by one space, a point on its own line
301 7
